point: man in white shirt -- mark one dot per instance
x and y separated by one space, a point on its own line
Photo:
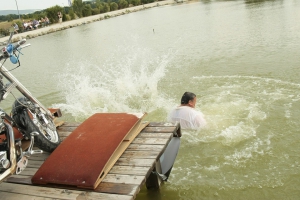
186 114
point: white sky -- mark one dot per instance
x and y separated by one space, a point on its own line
31 4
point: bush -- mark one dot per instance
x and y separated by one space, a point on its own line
64 17
87 10
123 4
72 14
104 7
95 11
113 6
52 13
3 32
20 25
135 2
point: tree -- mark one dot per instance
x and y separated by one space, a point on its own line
20 25
52 13
87 10
113 6
135 2
72 14
98 3
78 6
95 11
104 7
123 4
9 18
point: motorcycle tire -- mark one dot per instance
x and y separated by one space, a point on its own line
48 138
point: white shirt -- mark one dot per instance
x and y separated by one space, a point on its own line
188 117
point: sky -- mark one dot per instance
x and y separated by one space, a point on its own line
31 4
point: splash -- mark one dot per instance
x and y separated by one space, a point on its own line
126 84
252 130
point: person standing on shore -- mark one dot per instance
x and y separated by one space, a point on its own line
47 22
186 114
16 27
59 15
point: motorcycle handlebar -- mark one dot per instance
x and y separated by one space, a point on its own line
21 42
11 49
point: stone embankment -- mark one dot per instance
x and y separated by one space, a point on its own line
85 20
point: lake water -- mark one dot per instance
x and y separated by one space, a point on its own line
241 59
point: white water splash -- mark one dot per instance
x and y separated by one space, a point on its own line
251 132
123 85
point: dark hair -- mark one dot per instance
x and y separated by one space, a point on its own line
186 97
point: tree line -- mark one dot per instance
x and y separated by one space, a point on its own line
77 10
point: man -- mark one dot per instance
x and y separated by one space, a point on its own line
35 23
186 114
59 17
16 27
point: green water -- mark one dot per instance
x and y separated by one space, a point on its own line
241 58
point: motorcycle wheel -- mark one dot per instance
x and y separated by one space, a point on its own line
29 121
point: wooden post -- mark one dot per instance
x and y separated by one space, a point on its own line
153 181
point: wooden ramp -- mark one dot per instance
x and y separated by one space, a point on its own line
125 179
105 136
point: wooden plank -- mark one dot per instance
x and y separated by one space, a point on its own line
10 196
155 135
112 188
158 129
129 170
139 167
139 154
135 162
39 157
57 193
20 179
62 138
28 171
104 196
155 141
162 124
118 188
125 179
34 163
122 147
66 128
71 124
58 123
138 147
64 133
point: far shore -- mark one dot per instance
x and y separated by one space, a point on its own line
80 21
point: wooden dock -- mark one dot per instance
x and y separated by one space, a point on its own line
131 172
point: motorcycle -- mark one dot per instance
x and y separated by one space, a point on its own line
29 121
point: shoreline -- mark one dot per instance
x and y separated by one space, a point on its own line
81 21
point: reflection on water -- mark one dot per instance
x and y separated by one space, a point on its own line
239 57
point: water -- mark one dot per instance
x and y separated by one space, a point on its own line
240 58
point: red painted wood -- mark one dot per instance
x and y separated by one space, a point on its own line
80 158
